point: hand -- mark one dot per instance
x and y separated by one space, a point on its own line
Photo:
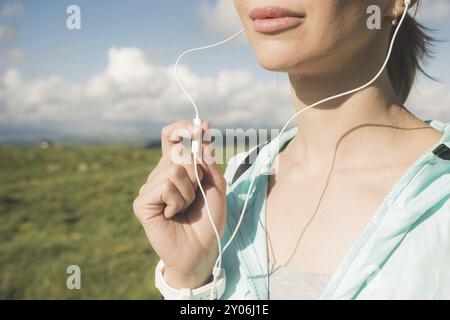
173 213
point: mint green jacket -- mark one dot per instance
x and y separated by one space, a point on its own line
403 253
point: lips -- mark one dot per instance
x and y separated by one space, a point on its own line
275 19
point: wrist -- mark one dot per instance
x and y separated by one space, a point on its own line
178 280
210 290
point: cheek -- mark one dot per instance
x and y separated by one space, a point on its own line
241 7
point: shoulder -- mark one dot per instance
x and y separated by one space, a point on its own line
428 192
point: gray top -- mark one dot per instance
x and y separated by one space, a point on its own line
288 283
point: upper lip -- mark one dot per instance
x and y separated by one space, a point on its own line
271 12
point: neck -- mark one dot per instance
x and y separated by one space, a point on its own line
322 128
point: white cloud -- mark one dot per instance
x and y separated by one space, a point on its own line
11 9
131 95
434 10
7 33
221 17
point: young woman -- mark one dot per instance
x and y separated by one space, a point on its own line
358 207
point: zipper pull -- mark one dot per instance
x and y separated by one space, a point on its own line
442 151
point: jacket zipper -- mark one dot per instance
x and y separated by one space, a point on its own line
403 176
408 170
237 243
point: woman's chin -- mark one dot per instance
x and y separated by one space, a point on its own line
276 65
276 60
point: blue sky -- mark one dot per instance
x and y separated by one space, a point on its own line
105 24
103 80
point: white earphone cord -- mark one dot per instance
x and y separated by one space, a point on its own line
193 50
312 106
218 264
196 153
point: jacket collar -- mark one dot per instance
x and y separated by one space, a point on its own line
256 250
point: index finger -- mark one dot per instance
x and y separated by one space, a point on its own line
171 134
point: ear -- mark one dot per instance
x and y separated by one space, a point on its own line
396 8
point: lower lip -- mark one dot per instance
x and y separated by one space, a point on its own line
276 24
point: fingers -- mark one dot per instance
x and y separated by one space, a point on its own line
167 137
183 178
184 185
214 177
172 148
173 199
190 171
171 171
163 199
171 134
171 187
179 156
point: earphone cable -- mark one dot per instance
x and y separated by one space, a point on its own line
256 169
257 166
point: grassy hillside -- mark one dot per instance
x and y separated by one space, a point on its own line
73 205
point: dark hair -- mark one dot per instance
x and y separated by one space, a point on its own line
412 48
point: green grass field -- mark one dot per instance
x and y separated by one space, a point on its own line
73 206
